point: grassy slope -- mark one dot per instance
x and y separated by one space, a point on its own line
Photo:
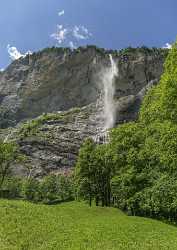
75 226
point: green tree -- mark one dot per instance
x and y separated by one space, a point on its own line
8 156
48 188
84 172
103 171
160 103
94 171
65 187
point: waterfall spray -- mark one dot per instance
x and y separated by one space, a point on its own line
109 91
107 114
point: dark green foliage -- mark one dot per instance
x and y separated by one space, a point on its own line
30 189
161 101
49 190
157 201
103 165
14 186
93 173
56 188
85 171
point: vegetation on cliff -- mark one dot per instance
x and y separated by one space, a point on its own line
8 155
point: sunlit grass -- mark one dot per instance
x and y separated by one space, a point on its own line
75 226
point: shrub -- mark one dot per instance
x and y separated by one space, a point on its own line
30 189
14 187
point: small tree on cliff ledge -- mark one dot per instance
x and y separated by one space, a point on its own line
8 155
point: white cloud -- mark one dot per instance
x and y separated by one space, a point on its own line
61 34
15 54
1 70
61 13
71 35
167 46
81 33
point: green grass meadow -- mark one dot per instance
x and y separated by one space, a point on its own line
75 226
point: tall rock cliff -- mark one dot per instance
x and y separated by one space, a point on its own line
51 101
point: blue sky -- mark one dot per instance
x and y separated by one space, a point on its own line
36 24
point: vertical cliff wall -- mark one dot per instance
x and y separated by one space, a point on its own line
62 91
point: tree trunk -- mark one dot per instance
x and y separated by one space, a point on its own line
109 193
97 201
103 200
90 201
4 173
106 196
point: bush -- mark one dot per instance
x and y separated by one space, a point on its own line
30 189
14 187
48 188
58 188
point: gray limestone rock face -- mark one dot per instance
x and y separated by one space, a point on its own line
60 79
51 99
52 141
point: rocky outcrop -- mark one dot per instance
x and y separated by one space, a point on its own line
52 141
53 100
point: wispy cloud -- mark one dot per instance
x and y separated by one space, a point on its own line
61 13
71 35
167 46
61 34
81 32
14 53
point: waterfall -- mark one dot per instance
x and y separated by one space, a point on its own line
109 91
107 114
